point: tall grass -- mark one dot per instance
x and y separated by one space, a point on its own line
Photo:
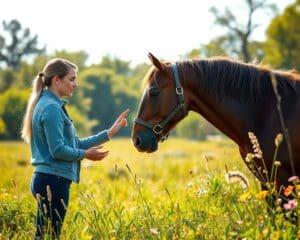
179 192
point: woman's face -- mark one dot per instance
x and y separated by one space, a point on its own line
68 84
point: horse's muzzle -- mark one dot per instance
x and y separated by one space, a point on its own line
145 141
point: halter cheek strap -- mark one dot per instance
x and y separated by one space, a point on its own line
181 106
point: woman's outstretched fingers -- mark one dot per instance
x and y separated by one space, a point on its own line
121 121
122 118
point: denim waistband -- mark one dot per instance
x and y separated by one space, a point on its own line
54 176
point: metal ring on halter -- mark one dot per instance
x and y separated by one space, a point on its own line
157 129
179 90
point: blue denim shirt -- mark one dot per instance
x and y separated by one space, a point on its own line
55 146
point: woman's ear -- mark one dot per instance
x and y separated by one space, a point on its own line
56 79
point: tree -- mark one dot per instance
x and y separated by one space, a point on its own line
283 39
18 44
12 109
237 40
117 65
78 57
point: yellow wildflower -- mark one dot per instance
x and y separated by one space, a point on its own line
262 194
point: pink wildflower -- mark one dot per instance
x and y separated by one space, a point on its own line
291 204
293 178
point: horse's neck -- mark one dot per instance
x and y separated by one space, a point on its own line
228 116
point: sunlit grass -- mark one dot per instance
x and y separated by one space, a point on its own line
178 192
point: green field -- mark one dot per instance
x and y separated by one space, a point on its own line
178 192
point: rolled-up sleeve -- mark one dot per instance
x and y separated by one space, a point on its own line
53 125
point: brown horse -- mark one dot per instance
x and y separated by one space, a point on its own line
237 98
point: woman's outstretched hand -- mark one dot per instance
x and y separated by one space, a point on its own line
94 154
121 121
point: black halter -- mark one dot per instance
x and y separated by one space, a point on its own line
158 128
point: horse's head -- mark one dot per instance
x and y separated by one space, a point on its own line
162 106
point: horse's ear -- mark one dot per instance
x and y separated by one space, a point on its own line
156 62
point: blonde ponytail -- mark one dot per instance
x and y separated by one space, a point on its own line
34 97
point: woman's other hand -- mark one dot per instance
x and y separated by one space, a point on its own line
94 154
121 121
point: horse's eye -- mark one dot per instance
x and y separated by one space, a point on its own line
153 91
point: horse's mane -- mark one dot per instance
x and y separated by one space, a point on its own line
246 82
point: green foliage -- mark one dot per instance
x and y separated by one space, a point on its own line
109 96
283 39
2 126
194 53
82 123
216 47
16 215
6 79
12 109
97 85
195 127
115 64
78 57
17 44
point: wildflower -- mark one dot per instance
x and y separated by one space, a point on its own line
293 179
265 232
190 184
245 196
202 191
154 231
278 139
249 157
255 145
291 204
288 190
262 194
279 201
277 163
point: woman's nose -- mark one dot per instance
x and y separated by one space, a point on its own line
75 84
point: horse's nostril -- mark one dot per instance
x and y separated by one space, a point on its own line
137 142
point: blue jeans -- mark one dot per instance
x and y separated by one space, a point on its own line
52 195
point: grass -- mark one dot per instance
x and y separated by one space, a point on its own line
179 192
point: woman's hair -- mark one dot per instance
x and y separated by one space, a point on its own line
55 67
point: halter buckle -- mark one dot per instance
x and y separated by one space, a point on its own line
179 90
157 129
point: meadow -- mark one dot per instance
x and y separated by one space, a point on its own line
178 192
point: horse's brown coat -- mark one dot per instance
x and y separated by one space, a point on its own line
235 97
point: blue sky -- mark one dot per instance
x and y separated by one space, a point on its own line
125 29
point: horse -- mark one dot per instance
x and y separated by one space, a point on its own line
240 99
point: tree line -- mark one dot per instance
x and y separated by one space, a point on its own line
110 86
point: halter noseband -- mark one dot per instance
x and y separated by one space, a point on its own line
158 128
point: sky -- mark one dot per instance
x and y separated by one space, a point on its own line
126 29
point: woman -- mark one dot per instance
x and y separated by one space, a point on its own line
55 148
